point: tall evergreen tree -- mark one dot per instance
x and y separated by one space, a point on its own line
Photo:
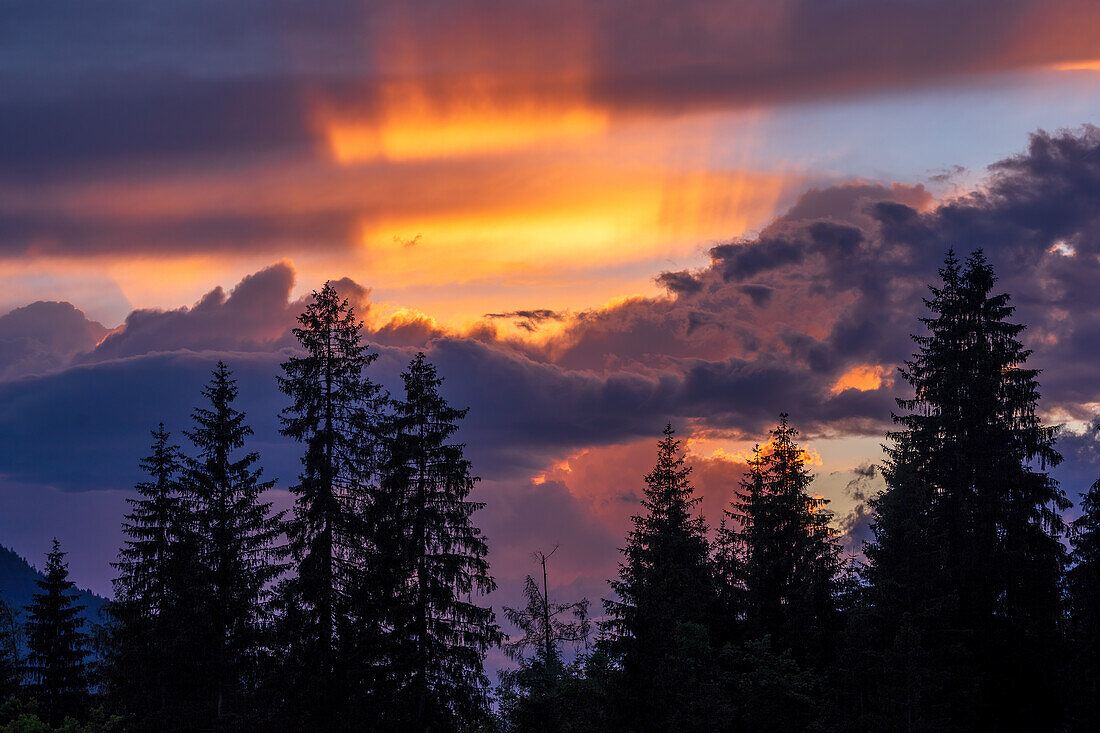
786 558
239 554
148 669
56 643
334 413
664 599
966 560
1083 586
431 562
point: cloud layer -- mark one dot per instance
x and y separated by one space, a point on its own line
809 317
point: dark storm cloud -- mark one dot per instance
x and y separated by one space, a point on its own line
837 282
540 314
1037 217
529 320
760 294
721 54
167 118
680 283
85 428
56 232
522 412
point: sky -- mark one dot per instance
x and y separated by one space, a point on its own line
594 218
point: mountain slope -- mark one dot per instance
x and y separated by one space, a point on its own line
17 586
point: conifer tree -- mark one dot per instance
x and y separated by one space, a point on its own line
148 667
664 598
544 623
966 560
786 559
334 413
1083 586
238 532
56 643
10 673
430 563
531 697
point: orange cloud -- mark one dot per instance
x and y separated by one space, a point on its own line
1086 65
584 216
864 378
472 117
610 480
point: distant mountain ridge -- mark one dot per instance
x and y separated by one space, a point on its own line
17 587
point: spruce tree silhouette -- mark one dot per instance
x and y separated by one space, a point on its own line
238 534
10 664
966 562
56 643
786 560
531 697
1083 592
331 652
149 671
665 598
430 564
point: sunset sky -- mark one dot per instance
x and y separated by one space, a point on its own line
594 217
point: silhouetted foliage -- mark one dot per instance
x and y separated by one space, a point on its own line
664 598
11 675
779 554
334 413
1083 586
536 696
237 533
435 555
429 562
150 668
56 643
767 691
964 616
966 561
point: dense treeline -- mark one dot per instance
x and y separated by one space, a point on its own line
975 608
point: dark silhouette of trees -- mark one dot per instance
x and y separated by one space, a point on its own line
238 535
544 629
10 664
150 669
965 566
657 623
964 616
56 643
429 561
335 414
1083 594
541 693
782 559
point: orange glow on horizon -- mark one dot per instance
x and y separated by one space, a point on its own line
1084 65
